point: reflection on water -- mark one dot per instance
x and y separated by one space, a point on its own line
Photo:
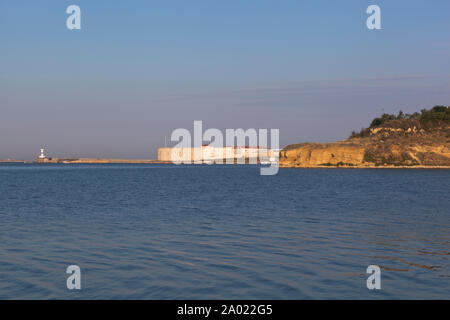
172 232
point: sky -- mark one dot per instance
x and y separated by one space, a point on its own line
137 70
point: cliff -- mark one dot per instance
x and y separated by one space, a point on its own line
418 140
322 154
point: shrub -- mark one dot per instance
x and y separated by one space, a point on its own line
428 119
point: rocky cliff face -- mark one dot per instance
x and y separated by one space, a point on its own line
383 147
322 154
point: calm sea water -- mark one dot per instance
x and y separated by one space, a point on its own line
222 232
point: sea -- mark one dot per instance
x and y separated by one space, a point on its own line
222 232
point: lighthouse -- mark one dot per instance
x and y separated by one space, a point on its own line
42 155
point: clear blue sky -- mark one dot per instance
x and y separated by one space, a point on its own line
139 69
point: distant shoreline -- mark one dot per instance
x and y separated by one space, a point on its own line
150 161
97 161
140 161
14 161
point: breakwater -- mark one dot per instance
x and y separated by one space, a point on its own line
99 160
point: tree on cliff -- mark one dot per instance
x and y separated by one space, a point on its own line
426 119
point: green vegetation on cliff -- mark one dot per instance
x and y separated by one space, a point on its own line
426 119
407 139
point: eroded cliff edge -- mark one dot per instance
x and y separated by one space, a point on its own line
417 140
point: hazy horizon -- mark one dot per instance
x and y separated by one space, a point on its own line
134 73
